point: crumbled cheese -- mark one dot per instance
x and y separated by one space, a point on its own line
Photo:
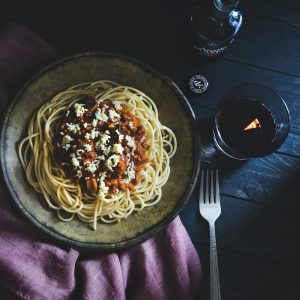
91 168
103 188
101 116
96 162
72 154
61 133
79 174
75 162
87 136
114 116
116 159
130 124
66 139
66 147
130 173
105 137
73 127
94 134
130 141
130 165
121 136
79 152
106 150
103 140
102 176
112 161
88 147
101 157
85 125
98 145
117 105
95 122
109 164
79 109
118 148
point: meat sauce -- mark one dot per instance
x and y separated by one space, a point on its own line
101 145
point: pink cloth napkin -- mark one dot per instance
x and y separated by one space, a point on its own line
32 266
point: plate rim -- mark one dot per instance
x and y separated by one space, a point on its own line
196 149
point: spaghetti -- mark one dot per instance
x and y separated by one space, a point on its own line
98 151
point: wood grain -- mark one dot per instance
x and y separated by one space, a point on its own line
265 37
248 277
249 228
288 12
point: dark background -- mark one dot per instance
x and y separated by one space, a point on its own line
258 231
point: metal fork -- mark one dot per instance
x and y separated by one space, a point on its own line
210 209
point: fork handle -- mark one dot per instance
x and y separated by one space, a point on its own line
215 293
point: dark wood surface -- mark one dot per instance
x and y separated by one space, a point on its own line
258 231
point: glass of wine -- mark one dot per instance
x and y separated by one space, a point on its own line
251 121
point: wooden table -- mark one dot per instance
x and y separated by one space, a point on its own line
258 231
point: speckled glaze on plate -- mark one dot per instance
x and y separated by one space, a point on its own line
174 111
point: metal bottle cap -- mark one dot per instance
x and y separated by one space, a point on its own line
198 84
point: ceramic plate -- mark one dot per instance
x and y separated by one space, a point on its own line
174 112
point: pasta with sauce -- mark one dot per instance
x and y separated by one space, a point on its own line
98 151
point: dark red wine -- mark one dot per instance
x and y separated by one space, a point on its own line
247 126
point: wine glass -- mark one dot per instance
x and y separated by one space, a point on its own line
251 121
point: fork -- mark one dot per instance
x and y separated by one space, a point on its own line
210 209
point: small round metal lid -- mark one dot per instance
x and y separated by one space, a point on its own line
198 84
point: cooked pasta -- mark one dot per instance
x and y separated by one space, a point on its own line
98 151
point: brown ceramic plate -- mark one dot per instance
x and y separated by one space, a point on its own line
174 111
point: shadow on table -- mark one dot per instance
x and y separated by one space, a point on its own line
210 155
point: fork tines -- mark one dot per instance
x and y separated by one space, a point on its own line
209 192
